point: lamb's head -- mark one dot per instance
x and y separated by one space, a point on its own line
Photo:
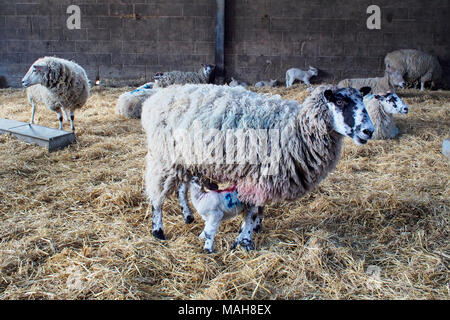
273 83
350 117
37 74
392 103
208 70
395 77
313 71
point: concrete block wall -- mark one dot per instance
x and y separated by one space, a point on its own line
127 41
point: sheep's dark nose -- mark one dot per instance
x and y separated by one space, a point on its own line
368 133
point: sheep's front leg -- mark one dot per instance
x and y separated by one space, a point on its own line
212 224
72 118
245 236
33 111
60 119
185 209
157 224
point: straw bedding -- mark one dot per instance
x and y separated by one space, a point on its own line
74 223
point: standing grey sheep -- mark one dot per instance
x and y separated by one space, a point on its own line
60 84
391 80
381 109
415 66
204 75
298 74
200 130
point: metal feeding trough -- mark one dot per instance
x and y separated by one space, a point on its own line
53 139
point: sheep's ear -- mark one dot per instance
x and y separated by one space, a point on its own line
365 91
328 94
41 67
378 97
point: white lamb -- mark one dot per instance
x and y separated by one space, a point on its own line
214 206
58 83
270 84
201 130
391 80
237 83
298 74
381 109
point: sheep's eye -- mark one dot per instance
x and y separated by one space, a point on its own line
339 102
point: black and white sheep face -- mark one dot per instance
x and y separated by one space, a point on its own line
350 117
35 75
208 69
314 71
392 103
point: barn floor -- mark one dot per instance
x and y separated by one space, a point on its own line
73 223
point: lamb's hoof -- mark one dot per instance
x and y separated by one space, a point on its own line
208 251
244 243
159 234
188 219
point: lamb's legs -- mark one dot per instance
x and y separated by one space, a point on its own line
185 209
33 111
257 227
212 224
244 238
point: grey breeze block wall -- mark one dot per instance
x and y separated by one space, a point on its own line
128 41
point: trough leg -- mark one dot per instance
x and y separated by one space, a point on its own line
244 239
185 209
212 224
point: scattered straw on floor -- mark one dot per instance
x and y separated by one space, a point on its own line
74 223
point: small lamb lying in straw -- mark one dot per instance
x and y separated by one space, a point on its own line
214 206
270 84
297 74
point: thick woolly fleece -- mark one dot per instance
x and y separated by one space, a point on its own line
180 77
130 104
309 147
382 120
415 66
64 85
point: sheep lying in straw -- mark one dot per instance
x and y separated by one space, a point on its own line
391 80
298 74
237 83
60 84
415 66
204 75
130 104
201 130
381 109
213 206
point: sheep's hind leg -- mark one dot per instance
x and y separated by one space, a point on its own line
244 238
257 227
185 209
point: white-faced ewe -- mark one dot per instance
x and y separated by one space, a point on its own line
60 84
203 76
391 80
298 74
237 83
130 104
381 109
270 84
214 206
415 66
269 148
